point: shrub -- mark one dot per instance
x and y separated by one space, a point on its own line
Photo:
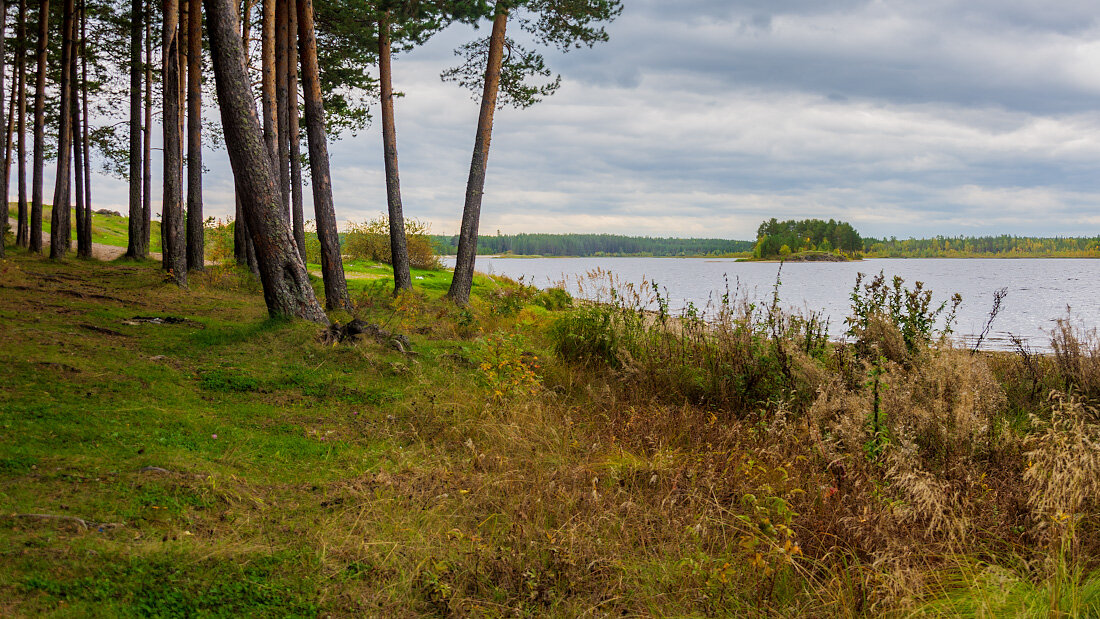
554 299
218 240
371 241
1077 357
881 312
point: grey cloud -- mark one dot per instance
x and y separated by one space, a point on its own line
702 117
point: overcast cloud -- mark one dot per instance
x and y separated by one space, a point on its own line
702 117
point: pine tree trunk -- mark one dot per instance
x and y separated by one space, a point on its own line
282 78
196 247
184 48
295 137
135 246
83 238
61 221
332 267
287 289
86 131
24 230
39 127
399 249
173 244
475 186
83 227
9 147
147 148
267 79
4 214
243 252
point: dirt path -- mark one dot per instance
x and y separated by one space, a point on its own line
99 250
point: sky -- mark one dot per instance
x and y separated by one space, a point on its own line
701 118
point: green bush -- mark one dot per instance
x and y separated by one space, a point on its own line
882 312
371 241
554 299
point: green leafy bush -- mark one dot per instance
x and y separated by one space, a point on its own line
371 241
884 312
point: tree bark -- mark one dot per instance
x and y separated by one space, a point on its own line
86 131
475 186
243 252
332 267
35 241
7 157
195 234
83 225
60 222
24 231
183 47
267 79
282 78
147 156
287 289
136 244
83 228
5 173
399 249
172 233
295 137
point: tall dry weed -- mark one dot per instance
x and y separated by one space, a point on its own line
1064 463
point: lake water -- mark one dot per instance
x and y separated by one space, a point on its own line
1039 290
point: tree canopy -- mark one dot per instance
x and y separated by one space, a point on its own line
805 235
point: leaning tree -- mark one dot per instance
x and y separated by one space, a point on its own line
502 80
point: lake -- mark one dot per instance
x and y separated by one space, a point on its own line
1039 290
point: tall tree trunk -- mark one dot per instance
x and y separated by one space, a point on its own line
399 249
136 246
172 234
332 267
83 225
295 137
39 126
61 221
9 145
24 230
195 235
282 78
85 140
7 158
267 79
475 187
287 289
147 150
247 254
184 48
243 252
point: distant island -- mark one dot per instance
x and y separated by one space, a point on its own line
807 240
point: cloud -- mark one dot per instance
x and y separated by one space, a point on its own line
702 117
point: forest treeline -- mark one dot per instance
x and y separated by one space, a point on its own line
594 245
1003 246
287 77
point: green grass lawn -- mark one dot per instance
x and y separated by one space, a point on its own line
520 461
106 229
234 465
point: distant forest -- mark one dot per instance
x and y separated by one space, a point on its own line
1003 246
594 245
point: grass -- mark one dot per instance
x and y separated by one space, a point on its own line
232 465
106 229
